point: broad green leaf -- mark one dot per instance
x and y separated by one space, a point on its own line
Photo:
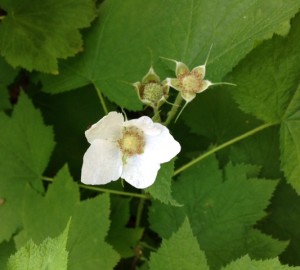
90 222
290 141
6 249
50 254
118 53
181 251
58 204
161 189
34 34
123 239
221 213
261 149
284 222
246 263
214 114
262 246
25 148
7 74
268 87
65 113
268 77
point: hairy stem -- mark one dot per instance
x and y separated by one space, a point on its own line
111 191
174 109
101 98
222 146
156 117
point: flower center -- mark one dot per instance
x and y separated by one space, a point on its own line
152 92
132 142
190 82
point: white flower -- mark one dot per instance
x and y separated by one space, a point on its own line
132 150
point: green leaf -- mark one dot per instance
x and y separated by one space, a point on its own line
246 263
262 246
221 213
6 249
34 34
275 93
50 254
268 77
112 64
63 113
90 222
6 77
214 114
181 251
25 148
123 239
283 222
161 189
290 142
261 149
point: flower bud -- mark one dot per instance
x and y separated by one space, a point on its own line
151 91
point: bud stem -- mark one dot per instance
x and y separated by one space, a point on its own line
156 117
174 109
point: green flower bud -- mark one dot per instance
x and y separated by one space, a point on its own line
151 91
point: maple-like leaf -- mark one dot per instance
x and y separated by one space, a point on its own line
34 34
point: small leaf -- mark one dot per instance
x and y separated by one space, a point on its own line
181 251
34 34
162 188
246 263
50 254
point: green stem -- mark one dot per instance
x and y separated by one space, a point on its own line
156 117
117 192
174 109
101 98
139 212
222 146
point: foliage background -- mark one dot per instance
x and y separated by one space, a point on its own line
64 63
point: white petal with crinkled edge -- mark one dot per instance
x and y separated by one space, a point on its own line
160 144
108 128
144 123
161 147
140 172
102 163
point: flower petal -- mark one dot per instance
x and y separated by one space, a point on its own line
161 147
145 124
189 96
181 68
140 172
102 163
151 76
160 144
173 83
108 128
199 71
205 85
